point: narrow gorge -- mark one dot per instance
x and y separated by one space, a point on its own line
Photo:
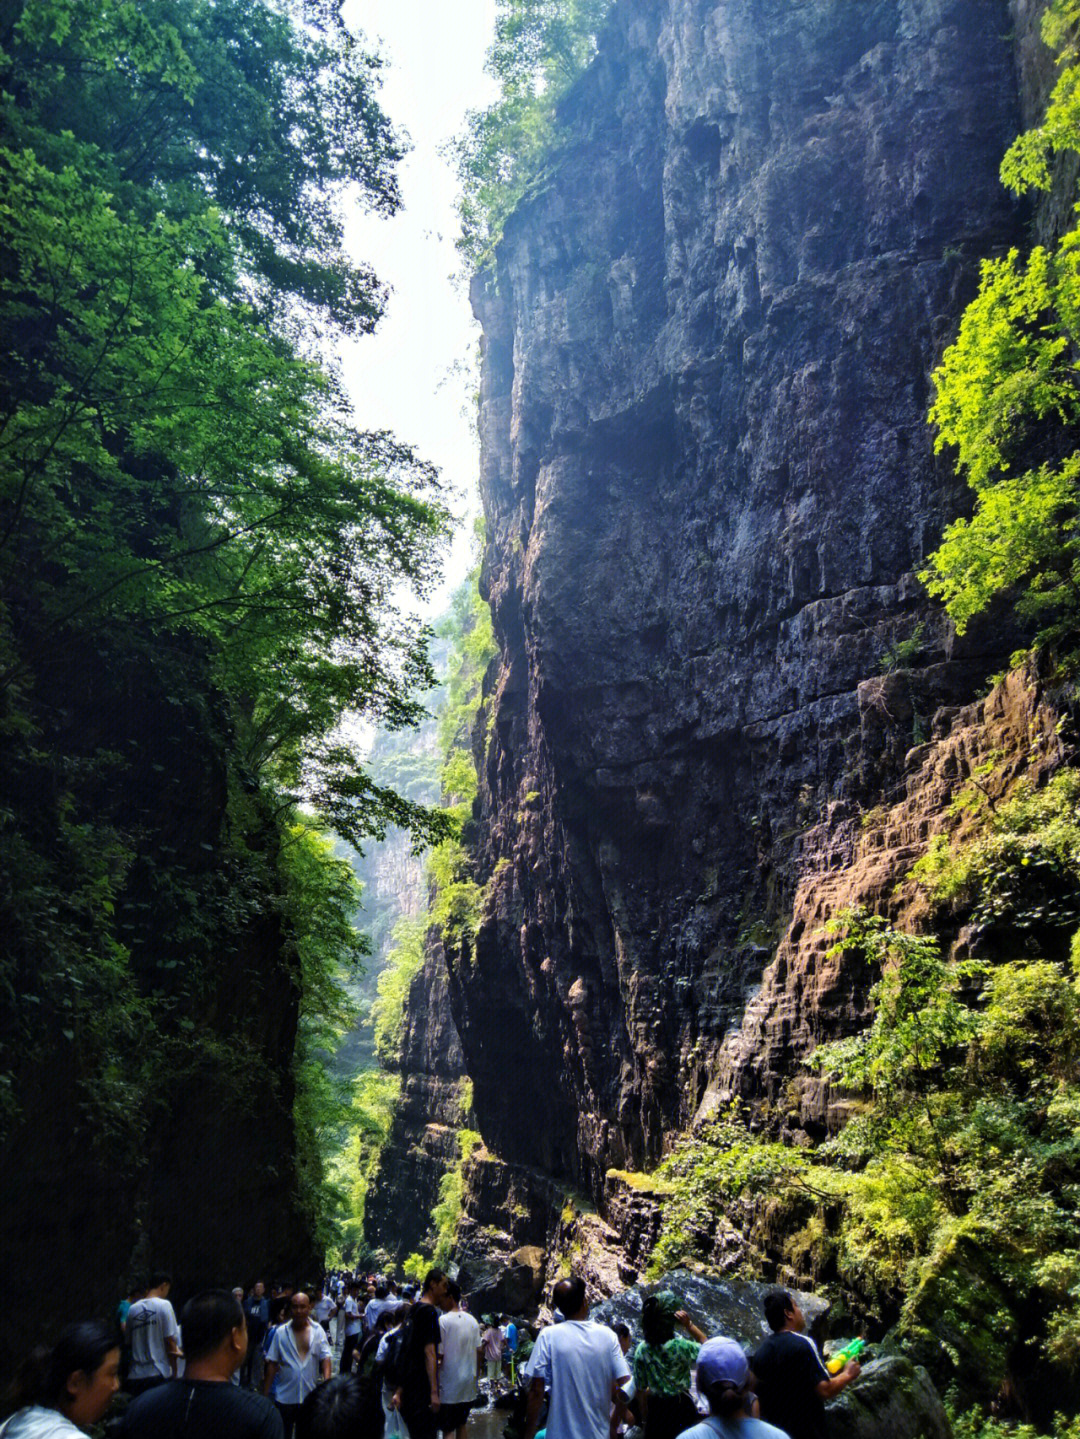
723 708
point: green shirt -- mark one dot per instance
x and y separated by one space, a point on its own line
665 1370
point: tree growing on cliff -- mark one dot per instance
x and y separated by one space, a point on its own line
540 48
1008 402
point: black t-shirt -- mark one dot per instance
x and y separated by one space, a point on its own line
789 1368
200 1409
424 1325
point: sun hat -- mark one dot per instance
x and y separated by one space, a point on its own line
722 1361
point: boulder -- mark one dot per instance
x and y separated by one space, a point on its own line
892 1399
719 1306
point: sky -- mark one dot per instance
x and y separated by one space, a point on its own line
413 376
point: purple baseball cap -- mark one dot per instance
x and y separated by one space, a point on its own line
722 1361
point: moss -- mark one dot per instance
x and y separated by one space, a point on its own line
644 1183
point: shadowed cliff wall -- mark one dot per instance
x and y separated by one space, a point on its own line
709 480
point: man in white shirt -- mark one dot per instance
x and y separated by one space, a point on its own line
459 1341
353 1326
297 1358
154 1337
582 1366
322 1309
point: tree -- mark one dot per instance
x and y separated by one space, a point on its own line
540 48
1008 401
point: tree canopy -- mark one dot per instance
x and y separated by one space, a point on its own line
203 556
1008 401
540 48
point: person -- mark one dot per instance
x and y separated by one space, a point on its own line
664 1365
582 1365
257 1313
790 1377
353 1326
723 1380
61 1392
322 1309
369 1372
492 1342
416 1386
336 1410
625 1412
510 1345
154 1337
298 1356
377 1306
459 1336
204 1402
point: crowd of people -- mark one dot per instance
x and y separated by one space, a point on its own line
259 1364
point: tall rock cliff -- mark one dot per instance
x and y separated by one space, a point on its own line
709 483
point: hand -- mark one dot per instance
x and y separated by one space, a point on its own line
435 1403
395 1399
852 1369
681 1317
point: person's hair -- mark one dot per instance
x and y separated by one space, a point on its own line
42 1378
776 1303
569 1295
207 1321
158 1278
622 1330
453 1289
433 1277
335 1410
401 1313
725 1400
385 1319
380 1291
657 1325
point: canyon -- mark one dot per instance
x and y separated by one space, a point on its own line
723 706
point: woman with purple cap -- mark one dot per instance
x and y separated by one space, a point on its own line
723 1378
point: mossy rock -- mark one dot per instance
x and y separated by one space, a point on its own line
891 1399
961 1322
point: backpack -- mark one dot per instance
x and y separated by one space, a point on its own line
395 1365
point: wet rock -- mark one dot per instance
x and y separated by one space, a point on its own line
731 1307
891 1399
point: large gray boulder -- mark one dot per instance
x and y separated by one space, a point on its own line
720 1306
891 1399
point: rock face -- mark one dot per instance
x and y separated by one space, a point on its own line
892 1399
422 1143
709 481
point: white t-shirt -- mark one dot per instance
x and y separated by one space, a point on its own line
149 1323
322 1309
459 1339
39 1423
297 1376
578 1361
352 1316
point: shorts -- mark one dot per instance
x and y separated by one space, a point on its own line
453 1416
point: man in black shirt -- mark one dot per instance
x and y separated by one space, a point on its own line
791 1380
204 1404
416 1389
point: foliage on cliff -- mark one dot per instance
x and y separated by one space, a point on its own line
949 1202
199 551
452 911
1008 402
540 48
